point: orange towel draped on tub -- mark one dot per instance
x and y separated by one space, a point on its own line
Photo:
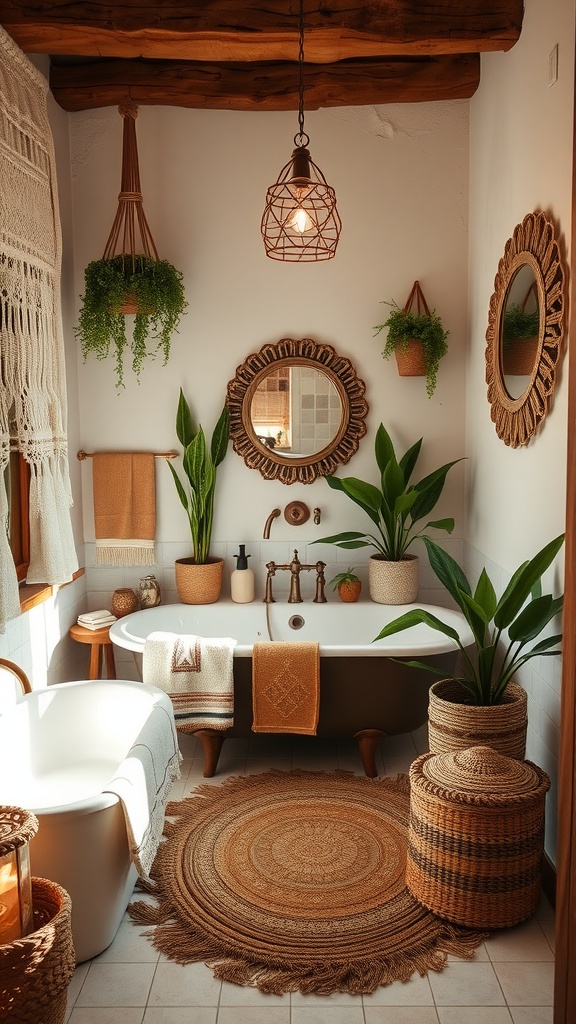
286 687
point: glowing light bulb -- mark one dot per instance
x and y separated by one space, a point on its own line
300 221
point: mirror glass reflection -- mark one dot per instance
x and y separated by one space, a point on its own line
296 411
520 330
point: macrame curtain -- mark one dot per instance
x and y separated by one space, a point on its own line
32 375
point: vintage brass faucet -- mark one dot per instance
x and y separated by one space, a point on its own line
295 567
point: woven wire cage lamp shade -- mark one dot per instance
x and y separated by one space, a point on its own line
300 222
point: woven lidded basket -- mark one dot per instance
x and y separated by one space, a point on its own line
455 725
476 836
35 971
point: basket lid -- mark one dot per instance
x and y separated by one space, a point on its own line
17 827
480 772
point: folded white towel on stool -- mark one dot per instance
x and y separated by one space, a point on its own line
96 620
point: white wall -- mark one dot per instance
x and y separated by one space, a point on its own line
400 176
520 161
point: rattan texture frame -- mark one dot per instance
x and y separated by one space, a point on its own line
533 242
292 352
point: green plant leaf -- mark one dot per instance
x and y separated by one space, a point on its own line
220 437
338 538
409 460
185 430
520 586
485 596
337 484
429 490
383 448
413 618
442 524
448 572
530 622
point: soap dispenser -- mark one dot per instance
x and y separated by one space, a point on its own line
242 579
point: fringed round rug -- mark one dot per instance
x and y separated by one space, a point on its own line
294 881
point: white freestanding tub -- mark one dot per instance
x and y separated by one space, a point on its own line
59 749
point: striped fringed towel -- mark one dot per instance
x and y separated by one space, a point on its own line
124 508
197 674
286 687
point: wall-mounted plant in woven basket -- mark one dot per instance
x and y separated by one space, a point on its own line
126 281
417 337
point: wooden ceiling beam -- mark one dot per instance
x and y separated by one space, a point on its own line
261 30
264 86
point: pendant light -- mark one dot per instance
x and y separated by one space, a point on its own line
300 222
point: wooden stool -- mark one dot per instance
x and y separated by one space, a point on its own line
99 640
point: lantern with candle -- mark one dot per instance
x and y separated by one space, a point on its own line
17 828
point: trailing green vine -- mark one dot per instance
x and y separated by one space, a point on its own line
157 290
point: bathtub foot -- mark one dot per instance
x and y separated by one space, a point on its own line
367 740
211 741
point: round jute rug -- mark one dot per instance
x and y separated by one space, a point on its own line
295 881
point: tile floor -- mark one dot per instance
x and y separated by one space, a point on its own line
510 980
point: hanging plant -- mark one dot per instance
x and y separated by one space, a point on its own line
135 282
150 288
421 325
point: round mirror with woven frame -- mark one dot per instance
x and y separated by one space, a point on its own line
534 245
269 446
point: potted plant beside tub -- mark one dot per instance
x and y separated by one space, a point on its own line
483 705
397 508
520 336
348 585
199 577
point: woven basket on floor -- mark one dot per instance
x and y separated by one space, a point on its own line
453 725
476 836
35 971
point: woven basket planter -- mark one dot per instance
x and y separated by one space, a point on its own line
476 836
199 584
393 582
35 971
519 357
411 362
455 725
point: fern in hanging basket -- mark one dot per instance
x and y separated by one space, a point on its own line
154 288
404 325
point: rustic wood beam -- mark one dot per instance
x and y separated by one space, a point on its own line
264 86
261 30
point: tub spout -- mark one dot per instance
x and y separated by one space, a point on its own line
273 515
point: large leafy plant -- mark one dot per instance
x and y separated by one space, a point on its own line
200 465
154 287
404 325
503 629
397 507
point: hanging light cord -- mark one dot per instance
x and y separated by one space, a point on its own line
301 138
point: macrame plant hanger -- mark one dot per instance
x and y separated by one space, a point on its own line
130 226
412 361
